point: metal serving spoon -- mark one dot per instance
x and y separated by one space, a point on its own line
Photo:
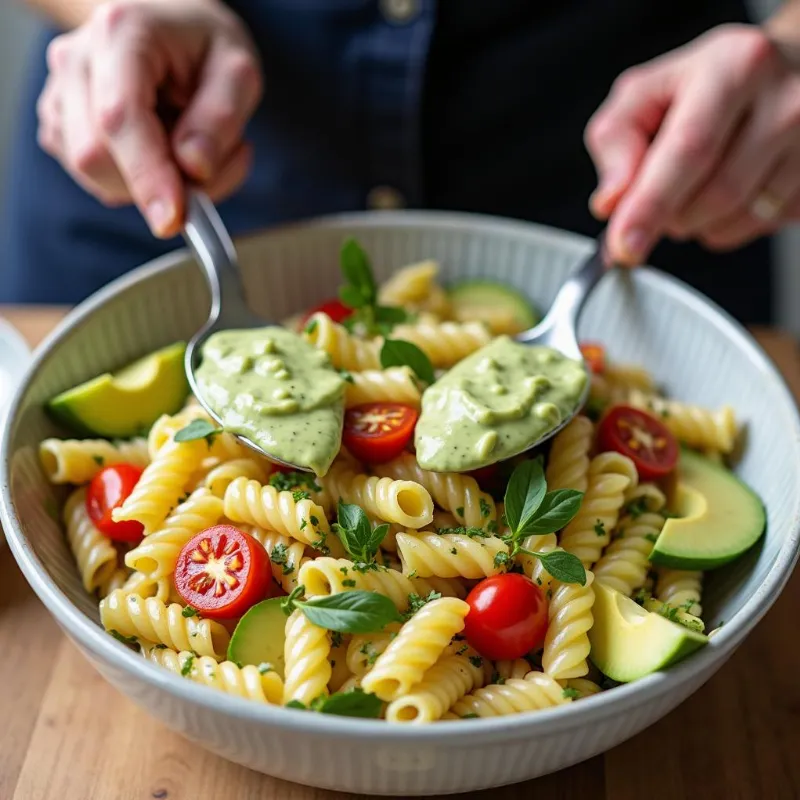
211 245
558 329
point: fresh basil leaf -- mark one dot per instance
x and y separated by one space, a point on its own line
390 315
524 494
296 704
197 429
398 353
350 612
352 296
563 566
353 703
356 532
357 271
376 537
556 511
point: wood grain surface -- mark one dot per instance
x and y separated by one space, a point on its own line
67 735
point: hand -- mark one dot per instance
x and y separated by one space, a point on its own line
702 143
109 78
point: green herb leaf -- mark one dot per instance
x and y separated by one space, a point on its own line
289 481
350 612
352 296
390 315
186 668
570 694
524 494
358 536
190 612
346 375
398 353
358 272
296 704
415 603
555 512
352 703
99 460
198 429
563 566
311 326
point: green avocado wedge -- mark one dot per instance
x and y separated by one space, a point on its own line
472 300
127 403
718 518
629 642
260 635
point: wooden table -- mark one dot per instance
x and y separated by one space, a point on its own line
66 734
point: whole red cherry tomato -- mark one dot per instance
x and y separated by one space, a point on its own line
108 490
507 616
594 355
334 308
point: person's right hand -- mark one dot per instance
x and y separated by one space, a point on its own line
99 110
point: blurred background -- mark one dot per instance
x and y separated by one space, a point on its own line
17 27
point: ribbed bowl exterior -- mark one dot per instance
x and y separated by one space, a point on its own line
694 350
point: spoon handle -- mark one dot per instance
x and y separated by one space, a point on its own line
213 249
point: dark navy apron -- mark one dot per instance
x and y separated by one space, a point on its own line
460 104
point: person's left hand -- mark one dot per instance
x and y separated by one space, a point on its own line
702 143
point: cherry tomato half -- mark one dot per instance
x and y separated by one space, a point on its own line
108 490
222 572
640 436
594 355
376 432
507 616
334 308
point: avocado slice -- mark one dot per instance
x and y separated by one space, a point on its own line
629 642
126 404
719 518
260 635
502 308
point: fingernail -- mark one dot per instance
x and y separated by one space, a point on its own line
160 215
635 244
196 152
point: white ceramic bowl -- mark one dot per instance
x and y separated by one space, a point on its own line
694 349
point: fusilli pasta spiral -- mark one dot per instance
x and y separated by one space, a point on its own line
152 620
393 385
286 556
566 644
518 668
680 588
446 682
568 466
532 566
222 476
417 647
459 494
77 461
402 501
326 576
364 648
306 652
450 555
446 343
250 502
533 693
345 350
94 554
162 483
610 476
247 682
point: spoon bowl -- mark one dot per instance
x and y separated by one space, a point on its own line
212 248
559 329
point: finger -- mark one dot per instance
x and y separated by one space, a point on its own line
48 111
126 74
734 231
232 174
761 145
212 126
84 152
620 131
702 118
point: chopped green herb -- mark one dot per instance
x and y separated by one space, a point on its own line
349 583
461 650
299 495
501 559
296 704
124 639
303 524
314 520
346 375
473 533
476 661
186 668
600 528
289 481
280 557
99 460
570 694
336 639
497 678
636 507
415 603
311 327
470 716
190 612
454 551
486 509
460 511
651 537
492 526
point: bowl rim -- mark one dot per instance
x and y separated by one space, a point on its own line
590 710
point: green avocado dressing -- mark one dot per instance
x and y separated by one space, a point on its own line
495 404
275 388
